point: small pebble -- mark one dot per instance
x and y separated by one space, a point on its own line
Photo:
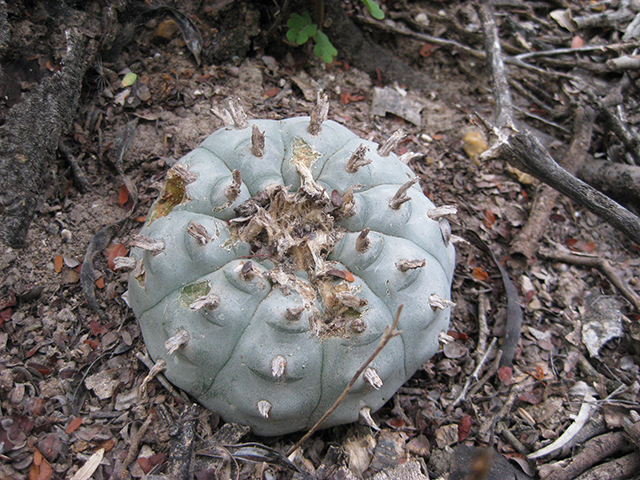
66 235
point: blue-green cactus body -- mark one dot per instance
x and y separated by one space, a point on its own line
271 331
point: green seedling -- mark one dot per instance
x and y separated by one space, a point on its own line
302 28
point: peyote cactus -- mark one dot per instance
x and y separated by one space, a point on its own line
272 262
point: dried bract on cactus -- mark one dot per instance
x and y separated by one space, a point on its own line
271 264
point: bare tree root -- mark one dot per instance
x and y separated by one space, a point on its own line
29 139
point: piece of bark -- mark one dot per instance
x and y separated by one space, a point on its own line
182 444
354 47
29 139
617 180
526 242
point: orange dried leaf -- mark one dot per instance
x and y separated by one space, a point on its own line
577 42
40 469
100 283
464 427
272 92
73 425
480 275
586 247
538 374
123 195
427 49
348 276
489 218
504 374
57 263
114 250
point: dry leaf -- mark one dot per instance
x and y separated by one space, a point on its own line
577 42
113 251
90 466
479 274
123 195
57 263
464 427
73 425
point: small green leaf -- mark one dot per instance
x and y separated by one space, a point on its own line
324 49
129 79
300 28
306 32
374 9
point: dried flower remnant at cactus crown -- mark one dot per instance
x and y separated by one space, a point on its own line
272 262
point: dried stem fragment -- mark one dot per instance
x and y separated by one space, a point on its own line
209 302
442 211
357 159
445 229
124 264
183 174
146 360
405 265
257 141
400 197
238 115
391 143
159 367
365 417
601 264
436 301
178 340
294 314
147 243
278 366
264 408
372 378
362 242
199 232
406 158
319 114
233 191
348 299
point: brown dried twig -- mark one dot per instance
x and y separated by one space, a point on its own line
120 472
388 334
601 264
